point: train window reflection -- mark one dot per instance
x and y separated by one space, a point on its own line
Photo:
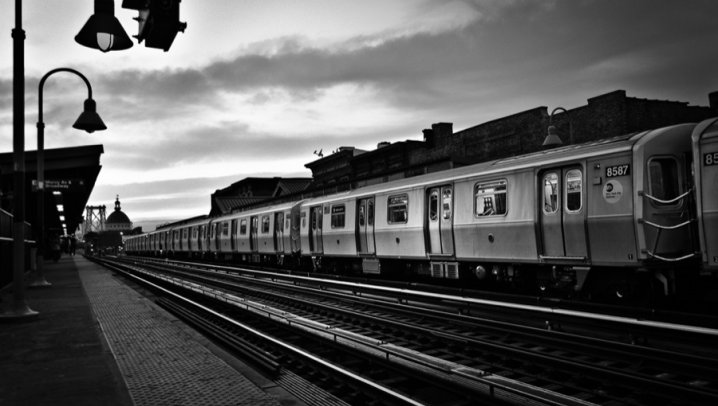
663 178
490 198
550 193
574 187
397 209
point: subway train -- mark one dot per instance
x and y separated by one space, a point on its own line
634 214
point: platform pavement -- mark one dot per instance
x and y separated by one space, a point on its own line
96 341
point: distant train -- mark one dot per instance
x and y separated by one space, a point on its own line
635 213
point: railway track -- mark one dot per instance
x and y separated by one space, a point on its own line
472 357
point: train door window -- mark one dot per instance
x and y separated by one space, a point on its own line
314 219
304 219
398 209
194 233
574 188
338 216
446 204
490 198
243 227
550 193
279 223
663 178
225 229
370 212
434 205
265 224
361 215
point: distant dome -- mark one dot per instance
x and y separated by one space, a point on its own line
118 220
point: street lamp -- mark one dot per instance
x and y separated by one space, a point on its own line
552 139
89 121
103 31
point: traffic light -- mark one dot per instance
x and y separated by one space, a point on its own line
158 21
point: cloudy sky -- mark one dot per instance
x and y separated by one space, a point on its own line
253 87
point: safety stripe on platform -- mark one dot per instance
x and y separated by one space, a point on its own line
160 362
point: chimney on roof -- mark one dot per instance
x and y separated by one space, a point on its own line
442 133
383 144
429 137
713 101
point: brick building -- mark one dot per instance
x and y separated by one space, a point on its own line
604 116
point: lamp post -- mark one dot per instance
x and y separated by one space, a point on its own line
19 308
552 139
89 121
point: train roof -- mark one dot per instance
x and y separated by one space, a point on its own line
529 161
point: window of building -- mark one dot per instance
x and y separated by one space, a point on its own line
243 227
574 188
398 209
663 178
490 198
265 224
550 193
337 217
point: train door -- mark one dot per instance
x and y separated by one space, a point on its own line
563 218
253 237
279 232
315 229
439 212
365 226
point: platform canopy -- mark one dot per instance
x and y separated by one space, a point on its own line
70 175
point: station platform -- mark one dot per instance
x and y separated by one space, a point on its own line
97 341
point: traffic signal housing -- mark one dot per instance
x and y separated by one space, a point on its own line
158 21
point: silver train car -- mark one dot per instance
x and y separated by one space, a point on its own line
617 216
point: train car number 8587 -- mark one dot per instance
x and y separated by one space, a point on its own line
710 158
618 170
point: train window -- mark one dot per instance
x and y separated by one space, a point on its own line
446 204
490 198
225 228
184 233
434 205
243 227
338 214
574 187
663 178
370 212
398 209
265 224
550 193
194 233
361 216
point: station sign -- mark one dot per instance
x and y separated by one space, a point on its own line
59 184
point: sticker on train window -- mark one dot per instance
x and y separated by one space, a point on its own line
618 170
710 159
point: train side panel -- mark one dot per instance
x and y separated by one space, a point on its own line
399 224
339 228
611 230
495 218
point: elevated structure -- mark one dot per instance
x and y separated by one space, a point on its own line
94 220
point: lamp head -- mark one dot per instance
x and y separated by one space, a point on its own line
103 31
552 139
89 120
